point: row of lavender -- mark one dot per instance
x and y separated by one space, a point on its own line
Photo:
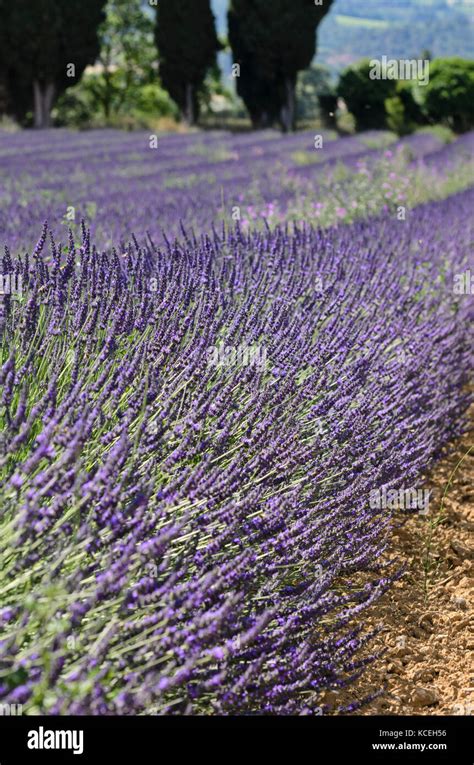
136 183
192 433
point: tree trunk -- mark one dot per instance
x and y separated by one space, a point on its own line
38 104
288 110
107 99
260 120
43 103
188 114
106 61
50 92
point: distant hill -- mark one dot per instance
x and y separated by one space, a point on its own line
375 28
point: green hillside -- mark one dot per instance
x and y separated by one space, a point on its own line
374 28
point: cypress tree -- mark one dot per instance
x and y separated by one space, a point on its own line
44 48
272 42
257 82
187 46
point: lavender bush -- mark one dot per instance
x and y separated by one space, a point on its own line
184 536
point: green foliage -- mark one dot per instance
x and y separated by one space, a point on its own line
76 107
447 99
311 84
80 107
272 42
123 87
154 100
127 57
449 96
187 45
396 116
411 96
365 98
403 112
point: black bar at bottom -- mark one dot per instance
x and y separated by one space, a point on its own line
155 739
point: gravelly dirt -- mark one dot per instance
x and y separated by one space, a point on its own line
427 616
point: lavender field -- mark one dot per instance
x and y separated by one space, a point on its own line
215 349
121 185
